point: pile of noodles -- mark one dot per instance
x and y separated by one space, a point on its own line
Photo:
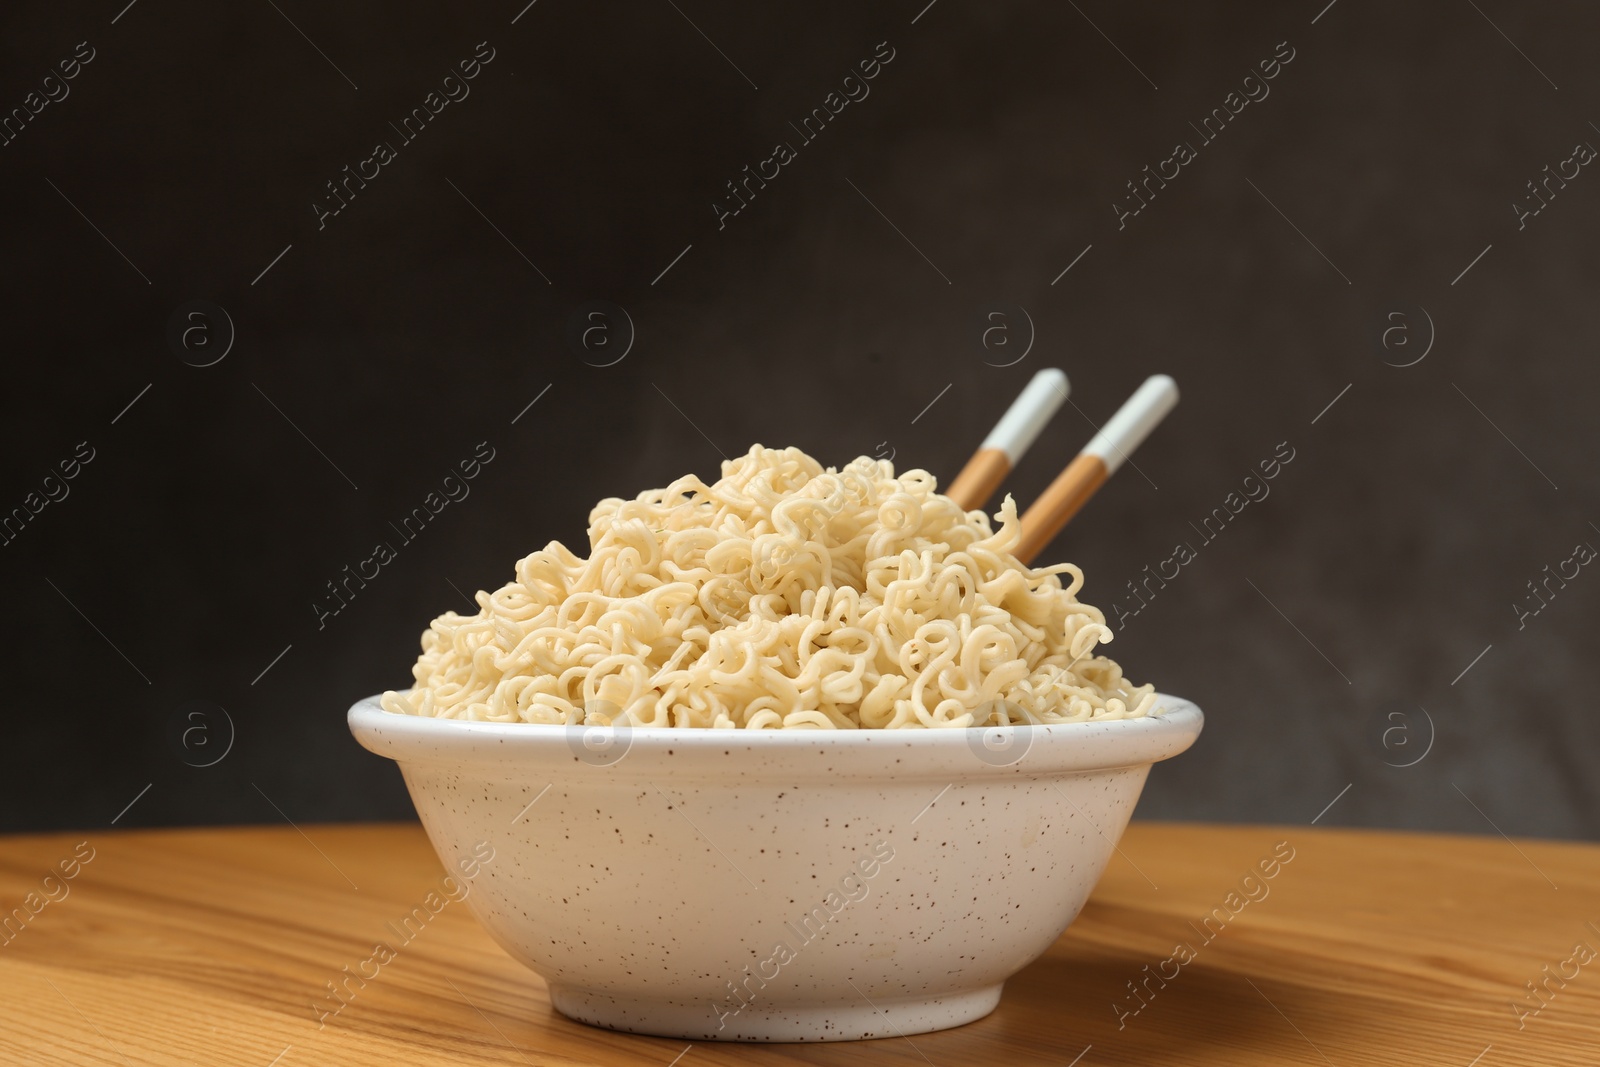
785 595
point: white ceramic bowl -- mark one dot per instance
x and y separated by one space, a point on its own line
776 885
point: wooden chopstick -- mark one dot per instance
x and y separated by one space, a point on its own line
1098 460
1010 439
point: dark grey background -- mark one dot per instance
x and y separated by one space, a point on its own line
378 352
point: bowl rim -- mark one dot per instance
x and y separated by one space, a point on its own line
1087 745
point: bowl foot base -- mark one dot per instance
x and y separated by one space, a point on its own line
842 1021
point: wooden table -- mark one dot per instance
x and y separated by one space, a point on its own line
211 947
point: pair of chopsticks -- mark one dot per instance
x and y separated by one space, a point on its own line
1097 461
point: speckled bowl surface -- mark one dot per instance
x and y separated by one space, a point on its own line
776 885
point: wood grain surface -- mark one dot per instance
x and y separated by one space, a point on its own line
214 947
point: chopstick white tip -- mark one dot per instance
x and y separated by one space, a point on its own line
1055 377
1022 423
1133 422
